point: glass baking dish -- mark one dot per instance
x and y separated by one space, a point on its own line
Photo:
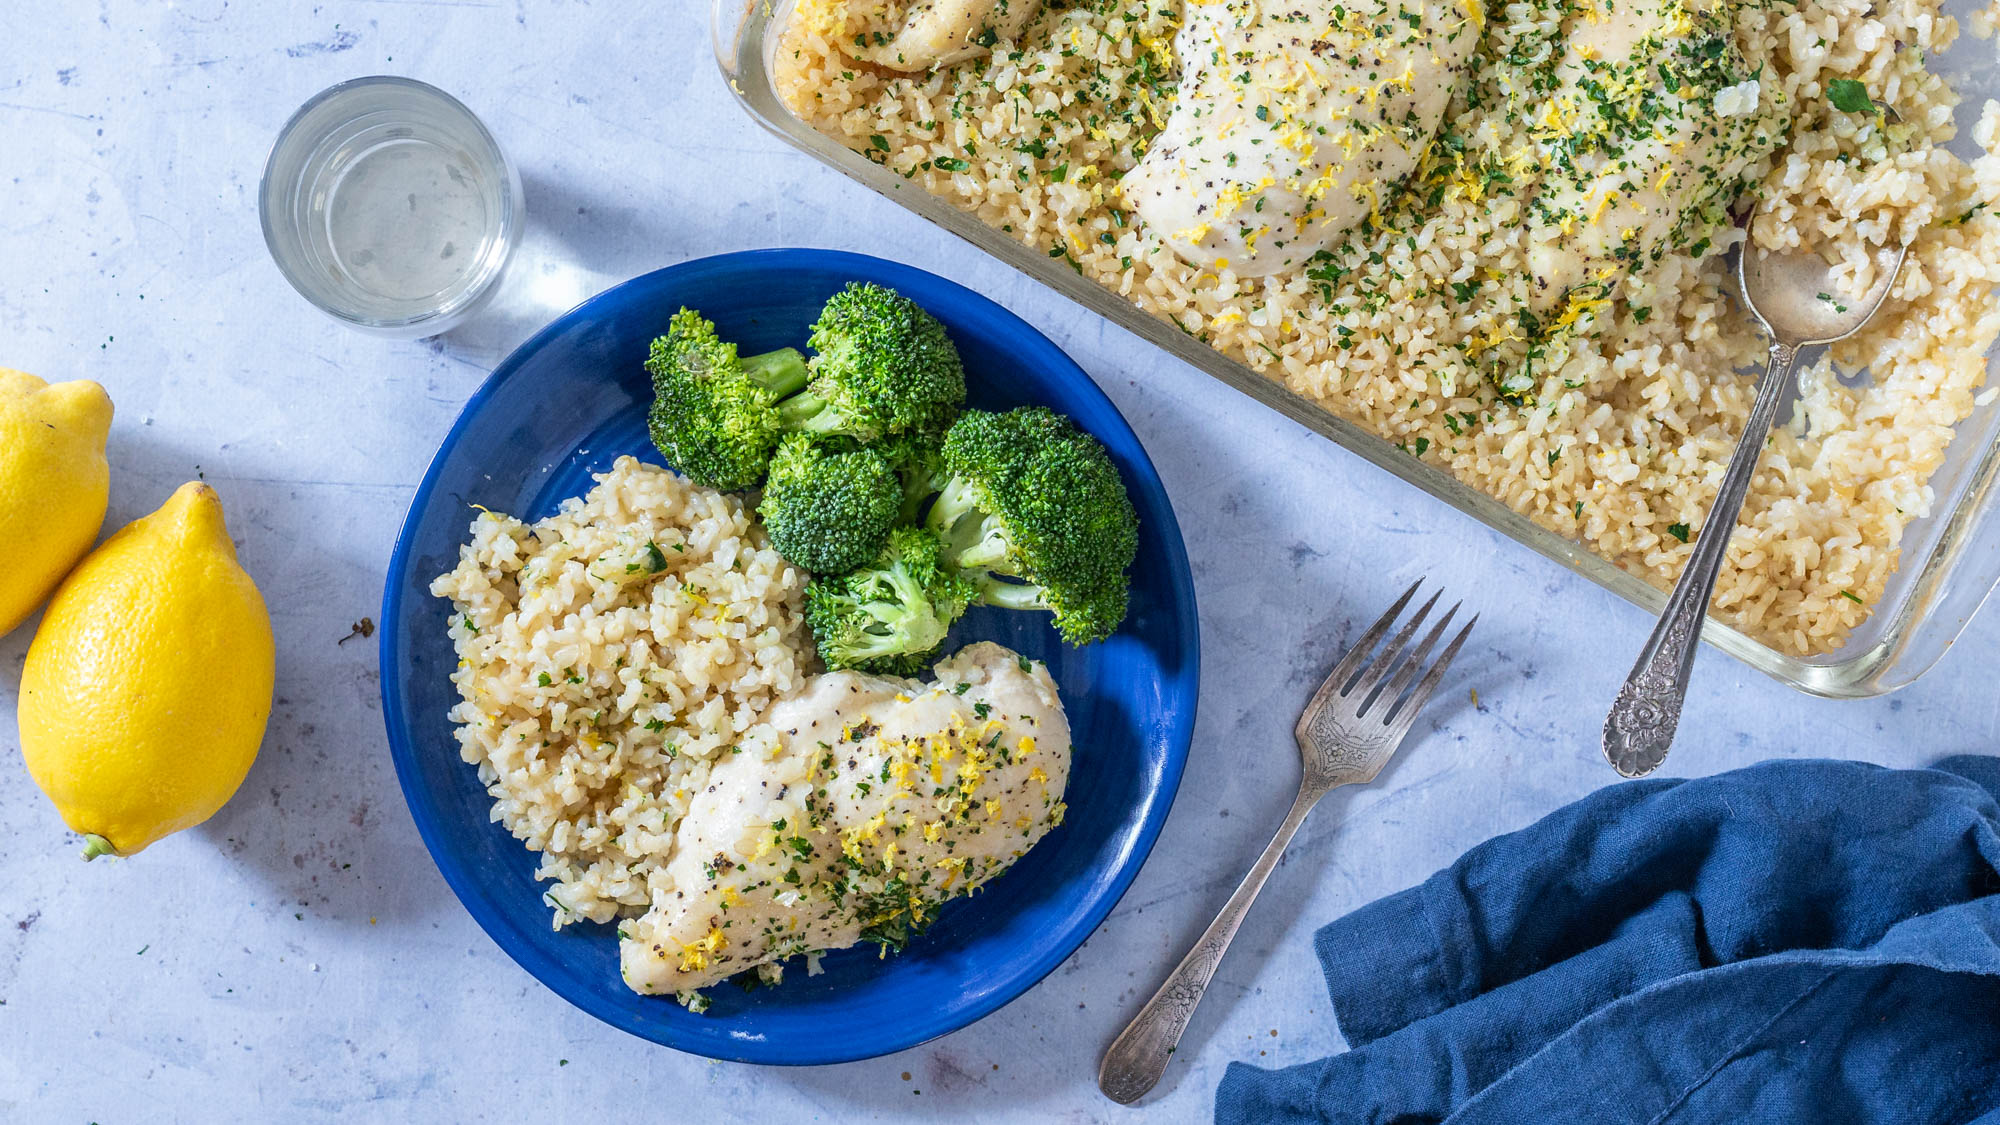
1950 559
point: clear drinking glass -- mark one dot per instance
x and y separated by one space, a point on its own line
389 206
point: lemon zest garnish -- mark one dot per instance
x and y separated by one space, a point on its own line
953 867
1681 25
1577 306
1484 344
1193 234
694 955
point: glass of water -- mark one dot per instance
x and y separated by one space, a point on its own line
388 205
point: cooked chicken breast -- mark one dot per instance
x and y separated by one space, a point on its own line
1655 117
1295 120
886 798
936 33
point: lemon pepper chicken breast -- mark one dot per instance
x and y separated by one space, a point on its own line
1295 120
1653 120
885 798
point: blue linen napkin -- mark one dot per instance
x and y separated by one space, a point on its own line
1802 941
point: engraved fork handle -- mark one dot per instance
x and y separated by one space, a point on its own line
1138 1057
1641 725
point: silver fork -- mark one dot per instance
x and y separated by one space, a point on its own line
1354 722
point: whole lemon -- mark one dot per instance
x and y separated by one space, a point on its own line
148 685
53 485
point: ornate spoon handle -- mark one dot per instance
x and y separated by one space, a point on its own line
1138 1057
1641 725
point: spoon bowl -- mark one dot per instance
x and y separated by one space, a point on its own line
1793 294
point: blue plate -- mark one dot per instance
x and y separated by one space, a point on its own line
570 401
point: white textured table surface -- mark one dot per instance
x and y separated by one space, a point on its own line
300 957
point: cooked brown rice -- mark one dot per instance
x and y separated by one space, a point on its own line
608 654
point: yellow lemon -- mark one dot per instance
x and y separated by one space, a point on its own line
53 485
147 687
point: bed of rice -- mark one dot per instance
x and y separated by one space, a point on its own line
607 655
1625 440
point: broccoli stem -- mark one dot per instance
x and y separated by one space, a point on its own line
973 539
989 552
957 501
1010 595
806 412
916 489
954 501
784 373
781 372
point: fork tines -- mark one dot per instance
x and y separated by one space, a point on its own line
1382 682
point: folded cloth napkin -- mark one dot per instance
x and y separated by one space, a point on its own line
1805 941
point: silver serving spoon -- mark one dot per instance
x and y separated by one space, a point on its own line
1792 296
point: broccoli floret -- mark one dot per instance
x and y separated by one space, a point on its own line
882 366
890 617
714 413
829 509
1034 515
918 461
